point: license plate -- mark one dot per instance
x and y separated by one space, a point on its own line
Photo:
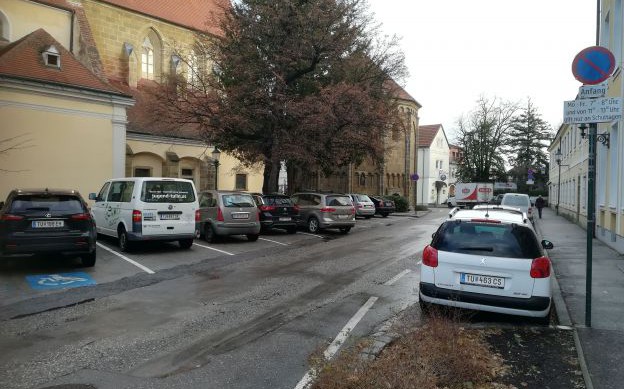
481 280
284 219
344 216
240 216
170 216
48 223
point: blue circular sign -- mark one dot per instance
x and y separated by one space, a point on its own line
593 65
414 177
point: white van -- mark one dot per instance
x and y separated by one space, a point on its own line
147 208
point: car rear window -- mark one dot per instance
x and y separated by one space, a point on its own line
56 204
516 200
335 201
363 198
496 240
167 192
284 201
238 200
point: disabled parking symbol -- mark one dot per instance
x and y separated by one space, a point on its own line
59 281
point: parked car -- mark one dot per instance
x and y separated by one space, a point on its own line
487 259
226 213
136 209
277 211
47 221
520 201
364 206
383 207
319 211
496 200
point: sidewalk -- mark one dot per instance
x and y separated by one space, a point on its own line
602 345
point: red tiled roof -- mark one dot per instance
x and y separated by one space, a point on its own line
23 59
201 15
399 92
427 133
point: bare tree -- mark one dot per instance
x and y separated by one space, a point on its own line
482 136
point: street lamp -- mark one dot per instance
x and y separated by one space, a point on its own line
558 156
215 160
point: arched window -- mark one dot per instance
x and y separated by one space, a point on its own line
4 28
147 59
363 180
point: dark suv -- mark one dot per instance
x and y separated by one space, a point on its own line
277 211
47 221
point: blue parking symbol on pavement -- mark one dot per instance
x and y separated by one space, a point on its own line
59 281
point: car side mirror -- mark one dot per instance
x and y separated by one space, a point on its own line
547 244
93 196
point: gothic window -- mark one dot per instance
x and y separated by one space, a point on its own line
147 59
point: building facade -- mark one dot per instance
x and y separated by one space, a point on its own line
433 165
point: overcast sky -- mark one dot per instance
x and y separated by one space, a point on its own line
458 50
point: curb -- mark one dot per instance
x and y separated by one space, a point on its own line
564 319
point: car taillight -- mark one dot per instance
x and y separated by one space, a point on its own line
430 257
352 210
267 208
9 217
328 209
359 205
296 208
81 216
540 267
197 216
137 217
220 215
485 221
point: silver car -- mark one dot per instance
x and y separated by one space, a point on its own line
364 206
520 201
225 213
319 211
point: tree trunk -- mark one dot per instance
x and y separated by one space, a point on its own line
270 182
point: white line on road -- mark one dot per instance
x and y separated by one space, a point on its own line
397 277
272 241
144 268
305 233
212 248
338 341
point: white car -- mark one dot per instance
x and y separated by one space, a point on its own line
137 209
520 201
490 260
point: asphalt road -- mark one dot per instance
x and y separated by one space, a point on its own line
235 314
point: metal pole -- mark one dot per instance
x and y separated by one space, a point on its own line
216 165
558 188
591 222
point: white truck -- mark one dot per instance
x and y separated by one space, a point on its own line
469 194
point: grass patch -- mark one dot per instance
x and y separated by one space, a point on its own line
441 353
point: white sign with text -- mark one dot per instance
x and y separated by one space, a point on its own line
600 110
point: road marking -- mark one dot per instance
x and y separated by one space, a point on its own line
144 268
272 241
305 233
212 248
59 280
397 277
338 341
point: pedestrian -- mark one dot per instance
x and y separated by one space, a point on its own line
540 203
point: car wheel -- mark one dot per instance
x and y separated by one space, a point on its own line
124 243
384 214
292 230
185 243
88 260
209 234
345 230
313 225
253 237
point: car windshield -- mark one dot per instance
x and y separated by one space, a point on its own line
337 200
496 240
283 201
516 200
37 203
238 200
167 192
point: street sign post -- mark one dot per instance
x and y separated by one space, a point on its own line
592 91
593 65
598 110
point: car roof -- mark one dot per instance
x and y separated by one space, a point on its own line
502 214
52 191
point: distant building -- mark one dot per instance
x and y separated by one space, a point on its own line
433 164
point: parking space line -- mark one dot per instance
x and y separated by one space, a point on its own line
212 248
397 277
272 241
305 233
144 268
338 341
